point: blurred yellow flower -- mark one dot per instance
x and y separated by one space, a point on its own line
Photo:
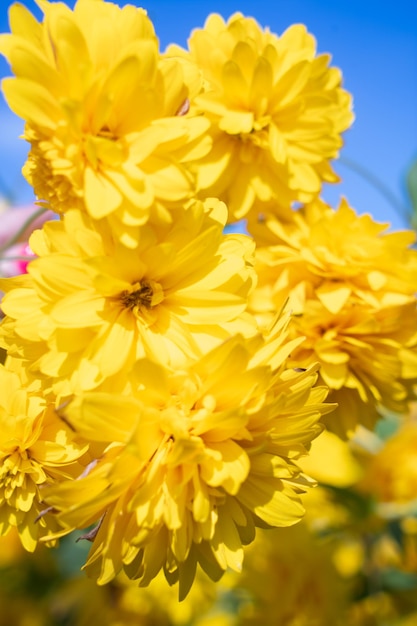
11 549
38 590
276 109
158 604
26 583
193 461
90 307
325 512
351 288
391 473
36 447
290 580
331 461
100 107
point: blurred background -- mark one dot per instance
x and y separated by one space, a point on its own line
373 42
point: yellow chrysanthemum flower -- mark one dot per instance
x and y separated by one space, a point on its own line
36 448
37 590
276 110
193 460
391 473
332 462
158 603
351 287
90 307
290 579
104 113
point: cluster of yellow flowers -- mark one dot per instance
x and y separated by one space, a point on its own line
352 288
164 378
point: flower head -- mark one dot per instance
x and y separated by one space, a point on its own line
351 287
192 461
276 110
391 472
92 307
290 579
36 448
100 107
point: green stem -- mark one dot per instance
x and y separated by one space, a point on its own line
22 229
22 257
375 182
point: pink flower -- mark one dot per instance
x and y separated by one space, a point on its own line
16 225
12 266
12 219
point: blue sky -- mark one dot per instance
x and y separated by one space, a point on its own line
373 42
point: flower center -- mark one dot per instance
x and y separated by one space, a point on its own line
106 133
251 143
145 294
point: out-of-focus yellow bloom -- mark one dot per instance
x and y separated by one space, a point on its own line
393 606
290 579
330 461
90 307
408 620
409 529
386 572
276 109
351 287
325 513
193 461
100 107
373 610
349 556
26 584
391 474
36 590
158 603
11 549
121 603
36 448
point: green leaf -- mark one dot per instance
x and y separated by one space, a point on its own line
393 580
388 425
412 191
71 555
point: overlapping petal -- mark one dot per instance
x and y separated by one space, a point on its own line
100 107
276 109
192 464
36 448
351 286
90 306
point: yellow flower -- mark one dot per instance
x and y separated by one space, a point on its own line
336 255
351 288
332 462
193 461
276 111
290 579
28 582
391 473
158 604
36 447
90 307
100 107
